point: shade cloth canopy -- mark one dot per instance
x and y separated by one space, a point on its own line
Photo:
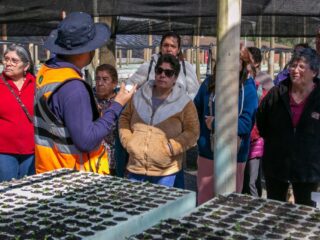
291 18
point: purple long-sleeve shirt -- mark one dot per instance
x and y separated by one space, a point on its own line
72 104
284 74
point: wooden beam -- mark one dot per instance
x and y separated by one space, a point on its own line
227 91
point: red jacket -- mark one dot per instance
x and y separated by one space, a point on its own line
16 131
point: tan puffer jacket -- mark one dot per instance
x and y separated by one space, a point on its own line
146 136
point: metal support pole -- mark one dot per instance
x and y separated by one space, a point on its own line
198 57
36 55
108 52
95 61
202 56
120 57
304 29
31 50
271 53
192 55
189 55
127 56
197 44
4 37
149 44
259 40
130 55
145 54
282 62
271 58
227 91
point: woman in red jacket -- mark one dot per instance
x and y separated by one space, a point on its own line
17 84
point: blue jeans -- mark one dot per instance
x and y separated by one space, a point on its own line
16 166
161 180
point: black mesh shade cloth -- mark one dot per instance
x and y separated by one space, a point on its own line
291 18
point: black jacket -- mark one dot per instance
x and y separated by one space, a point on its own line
290 154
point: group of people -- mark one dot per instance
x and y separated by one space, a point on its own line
56 120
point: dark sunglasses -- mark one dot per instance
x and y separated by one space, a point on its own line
167 72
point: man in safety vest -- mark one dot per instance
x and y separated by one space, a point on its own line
68 128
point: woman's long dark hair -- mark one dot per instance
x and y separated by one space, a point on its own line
212 80
246 69
247 65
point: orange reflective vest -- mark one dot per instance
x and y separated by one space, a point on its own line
54 147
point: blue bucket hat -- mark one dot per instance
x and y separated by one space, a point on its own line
77 34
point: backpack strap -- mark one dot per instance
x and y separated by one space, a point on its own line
150 67
184 68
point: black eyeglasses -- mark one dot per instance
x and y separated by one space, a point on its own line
167 72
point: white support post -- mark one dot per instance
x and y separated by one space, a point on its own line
227 90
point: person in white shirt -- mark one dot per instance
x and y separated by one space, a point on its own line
170 44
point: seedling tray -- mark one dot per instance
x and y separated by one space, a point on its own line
67 204
238 217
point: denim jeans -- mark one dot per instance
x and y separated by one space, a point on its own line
16 166
161 180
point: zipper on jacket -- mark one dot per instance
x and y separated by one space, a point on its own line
153 113
150 123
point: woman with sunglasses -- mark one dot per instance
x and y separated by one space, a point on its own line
158 125
17 84
170 44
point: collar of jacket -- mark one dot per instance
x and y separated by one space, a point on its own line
284 87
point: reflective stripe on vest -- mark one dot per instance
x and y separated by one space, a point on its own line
54 147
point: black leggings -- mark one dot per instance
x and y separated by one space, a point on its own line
278 190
